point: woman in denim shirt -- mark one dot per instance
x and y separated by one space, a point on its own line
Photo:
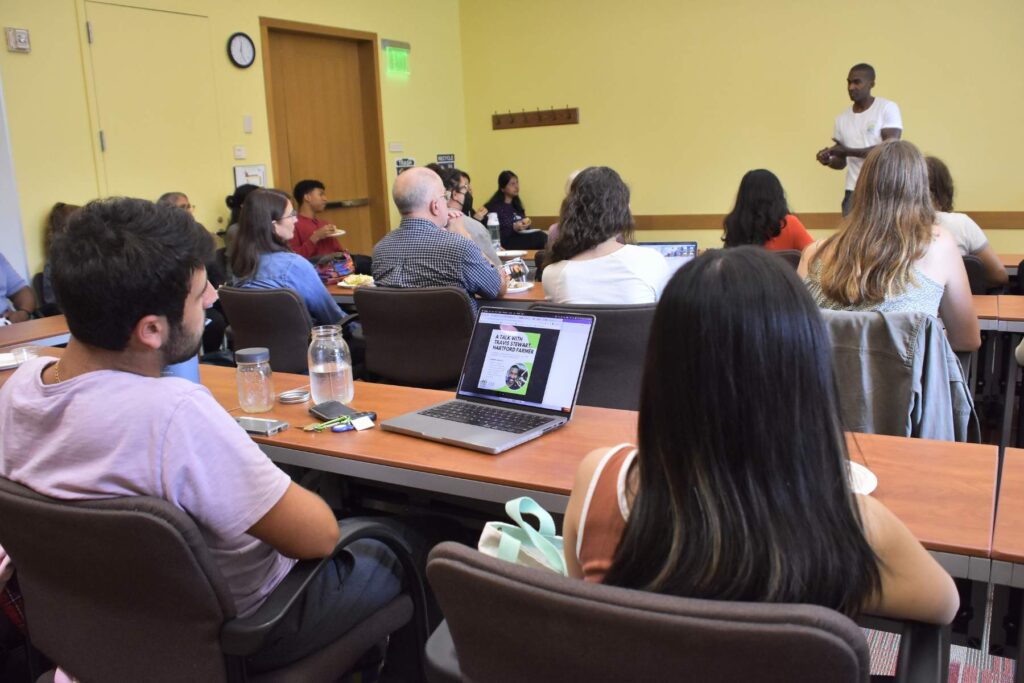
262 259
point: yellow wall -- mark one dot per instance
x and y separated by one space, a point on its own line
49 99
683 97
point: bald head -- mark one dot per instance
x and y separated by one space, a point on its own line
415 191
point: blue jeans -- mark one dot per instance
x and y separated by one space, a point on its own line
357 582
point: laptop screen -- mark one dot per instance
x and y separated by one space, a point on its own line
527 358
678 254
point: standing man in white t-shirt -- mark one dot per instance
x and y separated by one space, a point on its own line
868 122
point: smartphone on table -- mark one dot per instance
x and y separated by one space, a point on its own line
261 426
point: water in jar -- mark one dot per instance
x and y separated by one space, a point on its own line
331 381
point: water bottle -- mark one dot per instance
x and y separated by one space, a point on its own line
330 366
494 228
255 379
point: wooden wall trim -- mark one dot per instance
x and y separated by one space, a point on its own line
988 220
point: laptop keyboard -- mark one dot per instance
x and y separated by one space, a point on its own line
486 416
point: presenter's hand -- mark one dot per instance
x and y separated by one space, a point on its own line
839 149
824 156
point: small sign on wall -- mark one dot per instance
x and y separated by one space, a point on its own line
255 174
446 160
403 164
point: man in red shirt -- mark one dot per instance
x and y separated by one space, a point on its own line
313 237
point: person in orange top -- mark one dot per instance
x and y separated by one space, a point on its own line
761 216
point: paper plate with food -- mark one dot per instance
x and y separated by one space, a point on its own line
511 253
355 280
338 232
517 287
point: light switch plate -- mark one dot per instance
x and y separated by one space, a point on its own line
240 152
247 123
394 146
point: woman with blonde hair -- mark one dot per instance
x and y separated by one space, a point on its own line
889 254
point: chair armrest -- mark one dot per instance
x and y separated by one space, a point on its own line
347 319
442 661
924 648
245 635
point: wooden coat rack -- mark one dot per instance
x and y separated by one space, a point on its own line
531 119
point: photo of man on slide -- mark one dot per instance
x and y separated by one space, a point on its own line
516 377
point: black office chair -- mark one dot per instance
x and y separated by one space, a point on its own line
538 265
976 275
791 256
125 589
506 623
611 378
273 318
43 310
417 336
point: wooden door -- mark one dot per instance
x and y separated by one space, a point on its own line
324 107
159 125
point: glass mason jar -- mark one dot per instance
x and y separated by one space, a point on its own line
330 366
255 379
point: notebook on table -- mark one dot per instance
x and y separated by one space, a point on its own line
678 254
520 379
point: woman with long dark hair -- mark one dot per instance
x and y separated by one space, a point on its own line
516 232
262 259
739 489
761 216
890 254
588 264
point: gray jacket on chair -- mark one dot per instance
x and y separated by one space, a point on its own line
898 375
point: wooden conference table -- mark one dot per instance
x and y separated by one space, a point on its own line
944 492
41 331
1010 262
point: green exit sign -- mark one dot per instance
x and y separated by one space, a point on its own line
396 57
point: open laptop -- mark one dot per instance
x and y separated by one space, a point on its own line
520 379
678 254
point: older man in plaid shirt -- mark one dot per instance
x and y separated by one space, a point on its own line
431 248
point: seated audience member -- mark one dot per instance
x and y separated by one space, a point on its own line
130 277
235 202
553 228
216 324
512 216
889 254
421 252
761 216
588 264
755 509
178 200
56 224
313 237
262 259
968 235
17 300
477 231
467 206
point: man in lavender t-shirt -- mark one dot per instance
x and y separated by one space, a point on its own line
101 422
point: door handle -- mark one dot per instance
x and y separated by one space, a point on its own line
348 203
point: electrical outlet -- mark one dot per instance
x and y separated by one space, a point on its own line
18 40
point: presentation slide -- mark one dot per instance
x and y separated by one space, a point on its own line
509 361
